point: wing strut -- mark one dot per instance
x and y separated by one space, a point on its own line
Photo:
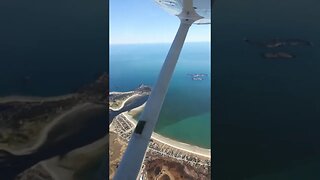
133 157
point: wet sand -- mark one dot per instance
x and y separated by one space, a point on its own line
173 143
77 160
7 99
134 96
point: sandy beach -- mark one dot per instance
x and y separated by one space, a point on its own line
173 143
69 165
124 102
155 136
137 110
7 99
114 92
70 114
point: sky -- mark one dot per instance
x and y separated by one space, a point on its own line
144 21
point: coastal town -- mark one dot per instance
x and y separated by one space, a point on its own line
163 156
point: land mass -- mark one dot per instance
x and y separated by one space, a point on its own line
277 43
198 77
278 55
36 129
165 158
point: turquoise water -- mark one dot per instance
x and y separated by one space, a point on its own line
185 115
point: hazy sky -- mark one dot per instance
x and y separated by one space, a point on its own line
144 21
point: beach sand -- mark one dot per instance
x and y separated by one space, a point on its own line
78 161
173 143
136 110
206 153
124 102
58 121
7 99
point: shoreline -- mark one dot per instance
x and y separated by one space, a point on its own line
174 143
135 111
124 102
66 167
117 92
43 135
204 152
7 99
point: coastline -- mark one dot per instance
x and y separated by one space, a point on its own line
7 99
167 155
124 102
56 121
40 128
193 149
115 92
136 110
68 166
173 143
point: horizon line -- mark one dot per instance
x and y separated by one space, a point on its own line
129 43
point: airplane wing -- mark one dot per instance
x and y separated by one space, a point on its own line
189 12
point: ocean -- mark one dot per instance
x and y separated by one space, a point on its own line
51 48
266 112
185 114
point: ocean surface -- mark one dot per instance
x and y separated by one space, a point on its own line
51 48
185 115
266 112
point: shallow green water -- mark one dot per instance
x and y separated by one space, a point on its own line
185 115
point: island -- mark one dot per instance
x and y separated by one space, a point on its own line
278 55
197 77
278 42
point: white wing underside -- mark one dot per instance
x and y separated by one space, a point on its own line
202 7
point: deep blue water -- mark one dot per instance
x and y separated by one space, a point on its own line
185 114
265 112
51 47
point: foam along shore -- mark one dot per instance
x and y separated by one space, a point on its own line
173 143
124 102
7 99
115 92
